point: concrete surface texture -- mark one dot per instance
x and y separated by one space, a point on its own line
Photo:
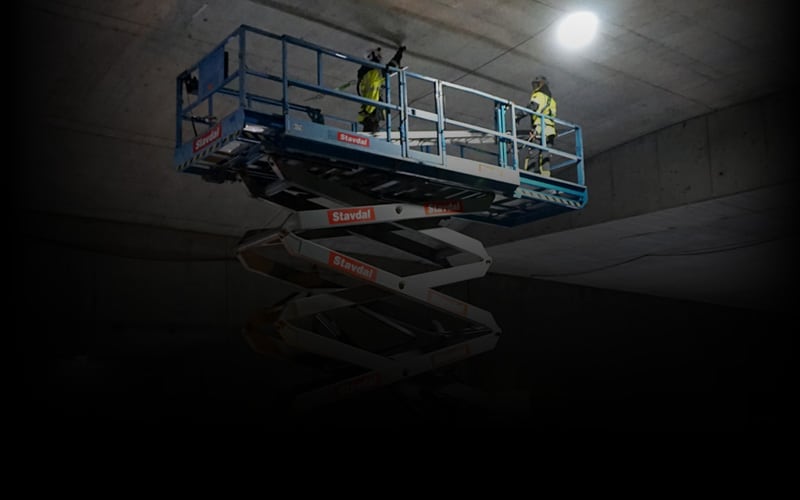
687 111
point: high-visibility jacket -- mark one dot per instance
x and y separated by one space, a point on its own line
543 103
370 86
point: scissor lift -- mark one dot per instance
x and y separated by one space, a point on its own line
363 323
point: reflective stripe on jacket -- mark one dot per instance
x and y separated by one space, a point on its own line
546 105
370 87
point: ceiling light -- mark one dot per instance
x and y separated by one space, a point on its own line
577 29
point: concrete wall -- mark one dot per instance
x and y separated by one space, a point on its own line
126 322
734 150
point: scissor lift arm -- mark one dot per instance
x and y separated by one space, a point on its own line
456 331
361 322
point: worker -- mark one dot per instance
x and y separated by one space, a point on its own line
371 81
542 102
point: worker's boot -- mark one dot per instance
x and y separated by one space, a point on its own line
527 163
370 124
544 169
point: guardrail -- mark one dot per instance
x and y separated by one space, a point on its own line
264 72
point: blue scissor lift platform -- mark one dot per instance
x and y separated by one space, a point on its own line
249 112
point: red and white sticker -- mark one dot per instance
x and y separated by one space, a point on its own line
350 215
444 207
358 140
209 137
352 267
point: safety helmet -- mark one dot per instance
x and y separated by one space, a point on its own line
374 55
539 80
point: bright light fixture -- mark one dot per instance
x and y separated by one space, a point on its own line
577 29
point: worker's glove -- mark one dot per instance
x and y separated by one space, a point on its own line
398 56
519 116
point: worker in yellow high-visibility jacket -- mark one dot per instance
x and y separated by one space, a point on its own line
370 85
542 101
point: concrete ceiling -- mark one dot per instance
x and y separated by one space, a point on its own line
98 98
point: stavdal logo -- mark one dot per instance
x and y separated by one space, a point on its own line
351 266
444 207
358 140
207 138
349 215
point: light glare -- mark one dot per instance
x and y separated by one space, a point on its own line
577 29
